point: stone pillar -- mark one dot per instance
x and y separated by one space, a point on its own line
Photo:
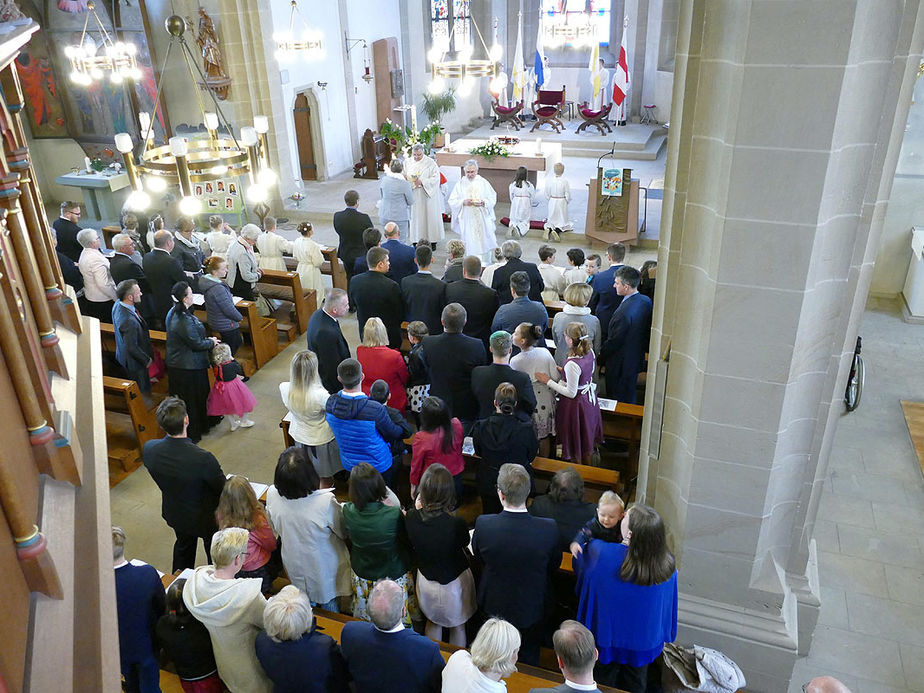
246 35
785 130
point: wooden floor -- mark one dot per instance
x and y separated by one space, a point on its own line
914 417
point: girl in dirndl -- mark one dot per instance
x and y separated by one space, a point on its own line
578 423
230 396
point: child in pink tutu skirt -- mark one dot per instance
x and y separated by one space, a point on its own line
230 396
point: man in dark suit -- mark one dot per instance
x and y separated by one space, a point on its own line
485 379
518 550
133 342
576 653
501 282
604 300
480 301
66 229
375 295
384 656
349 224
72 275
122 267
326 339
139 603
424 295
162 271
627 338
190 481
371 238
400 256
450 358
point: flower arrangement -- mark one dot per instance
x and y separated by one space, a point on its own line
490 150
403 138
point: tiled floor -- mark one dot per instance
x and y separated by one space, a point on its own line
870 532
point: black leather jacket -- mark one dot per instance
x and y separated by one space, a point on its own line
187 346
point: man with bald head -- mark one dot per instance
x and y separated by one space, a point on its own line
400 255
386 657
825 684
162 271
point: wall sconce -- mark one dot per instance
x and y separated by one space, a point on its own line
367 63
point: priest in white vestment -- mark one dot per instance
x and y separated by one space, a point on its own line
472 203
427 212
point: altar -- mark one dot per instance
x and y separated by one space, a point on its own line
100 201
500 170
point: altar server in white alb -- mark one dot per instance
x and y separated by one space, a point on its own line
559 193
272 247
522 195
472 203
427 212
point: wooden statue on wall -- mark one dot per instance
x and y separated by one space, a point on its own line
213 63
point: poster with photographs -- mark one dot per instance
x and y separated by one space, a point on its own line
220 196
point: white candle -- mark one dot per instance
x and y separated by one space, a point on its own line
447 141
86 161
539 145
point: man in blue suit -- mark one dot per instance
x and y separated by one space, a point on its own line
397 198
627 337
384 656
400 256
133 342
604 301
139 603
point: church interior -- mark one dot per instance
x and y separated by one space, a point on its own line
762 155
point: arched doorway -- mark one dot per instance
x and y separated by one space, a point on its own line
306 159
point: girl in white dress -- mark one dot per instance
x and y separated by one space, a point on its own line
309 256
559 193
522 193
272 246
220 236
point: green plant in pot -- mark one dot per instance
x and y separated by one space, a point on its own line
435 106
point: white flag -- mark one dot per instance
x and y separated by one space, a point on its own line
517 73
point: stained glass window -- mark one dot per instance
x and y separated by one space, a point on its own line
562 13
458 23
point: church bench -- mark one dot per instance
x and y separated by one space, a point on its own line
129 425
553 308
259 332
376 152
287 286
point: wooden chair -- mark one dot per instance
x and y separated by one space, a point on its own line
595 118
548 108
507 114
376 152
129 425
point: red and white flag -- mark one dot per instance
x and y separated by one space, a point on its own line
621 78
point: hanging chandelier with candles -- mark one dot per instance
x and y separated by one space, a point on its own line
562 29
92 61
183 161
289 46
462 66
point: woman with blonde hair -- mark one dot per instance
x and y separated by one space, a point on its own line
309 257
578 423
381 363
238 507
493 657
306 399
577 297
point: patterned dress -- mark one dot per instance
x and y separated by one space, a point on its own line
578 422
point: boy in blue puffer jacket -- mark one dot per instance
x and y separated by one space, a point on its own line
362 427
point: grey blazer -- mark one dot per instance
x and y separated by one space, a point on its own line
397 198
240 261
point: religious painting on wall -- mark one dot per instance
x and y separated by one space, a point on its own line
40 84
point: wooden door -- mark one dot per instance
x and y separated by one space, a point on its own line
302 113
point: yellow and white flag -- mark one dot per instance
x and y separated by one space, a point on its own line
517 73
594 67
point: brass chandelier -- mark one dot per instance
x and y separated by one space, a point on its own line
463 66
288 46
183 161
91 62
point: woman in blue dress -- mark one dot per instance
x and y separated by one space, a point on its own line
628 599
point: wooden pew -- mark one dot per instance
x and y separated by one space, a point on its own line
287 286
625 423
259 332
553 308
129 425
376 152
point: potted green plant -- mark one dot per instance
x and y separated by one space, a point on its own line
435 106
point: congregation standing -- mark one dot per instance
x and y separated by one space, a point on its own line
479 367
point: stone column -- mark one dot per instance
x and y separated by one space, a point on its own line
246 35
786 125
